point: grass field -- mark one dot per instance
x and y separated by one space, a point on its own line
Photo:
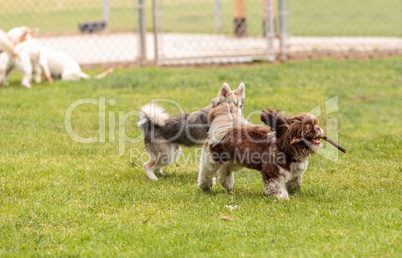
307 18
61 197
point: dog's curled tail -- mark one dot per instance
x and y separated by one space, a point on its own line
154 114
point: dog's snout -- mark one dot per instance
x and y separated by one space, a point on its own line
318 130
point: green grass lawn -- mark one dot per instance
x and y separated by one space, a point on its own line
60 197
307 17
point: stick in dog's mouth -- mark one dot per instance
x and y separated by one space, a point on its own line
334 144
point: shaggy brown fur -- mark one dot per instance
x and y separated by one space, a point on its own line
280 152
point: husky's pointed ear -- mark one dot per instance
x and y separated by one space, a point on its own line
275 120
241 90
224 91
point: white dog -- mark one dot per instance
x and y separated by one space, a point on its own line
37 59
59 64
11 58
23 53
64 67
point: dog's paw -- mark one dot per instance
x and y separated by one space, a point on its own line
213 182
282 195
294 190
161 173
48 79
152 176
228 185
205 186
227 182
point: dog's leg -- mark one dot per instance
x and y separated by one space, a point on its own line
160 155
149 168
26 80
226 177
26 74
206 178
72 75
4 63
207 171
44 66
174 157
3 77
294 184
176 152
23 64
37 72
275 187
159 171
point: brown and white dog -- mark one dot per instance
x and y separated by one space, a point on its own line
280 152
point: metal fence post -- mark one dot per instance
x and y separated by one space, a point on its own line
155 30
282 29
218 22
142 32
105 12
270 29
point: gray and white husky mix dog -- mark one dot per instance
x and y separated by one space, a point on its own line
164 133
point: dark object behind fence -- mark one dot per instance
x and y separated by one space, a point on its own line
91 27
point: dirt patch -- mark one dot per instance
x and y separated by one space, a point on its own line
361 98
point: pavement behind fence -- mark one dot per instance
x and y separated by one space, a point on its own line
182 49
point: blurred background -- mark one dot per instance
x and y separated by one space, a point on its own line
187 32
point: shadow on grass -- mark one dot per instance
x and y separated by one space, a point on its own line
17 84
248 186
12 84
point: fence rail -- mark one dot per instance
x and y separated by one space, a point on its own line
184 32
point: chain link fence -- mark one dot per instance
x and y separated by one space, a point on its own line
183 32
217 31
91 31
360 28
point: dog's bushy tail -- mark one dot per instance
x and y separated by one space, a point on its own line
152 113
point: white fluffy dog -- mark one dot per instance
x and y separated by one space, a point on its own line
25 54
59 64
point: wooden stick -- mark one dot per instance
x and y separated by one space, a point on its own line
334 144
